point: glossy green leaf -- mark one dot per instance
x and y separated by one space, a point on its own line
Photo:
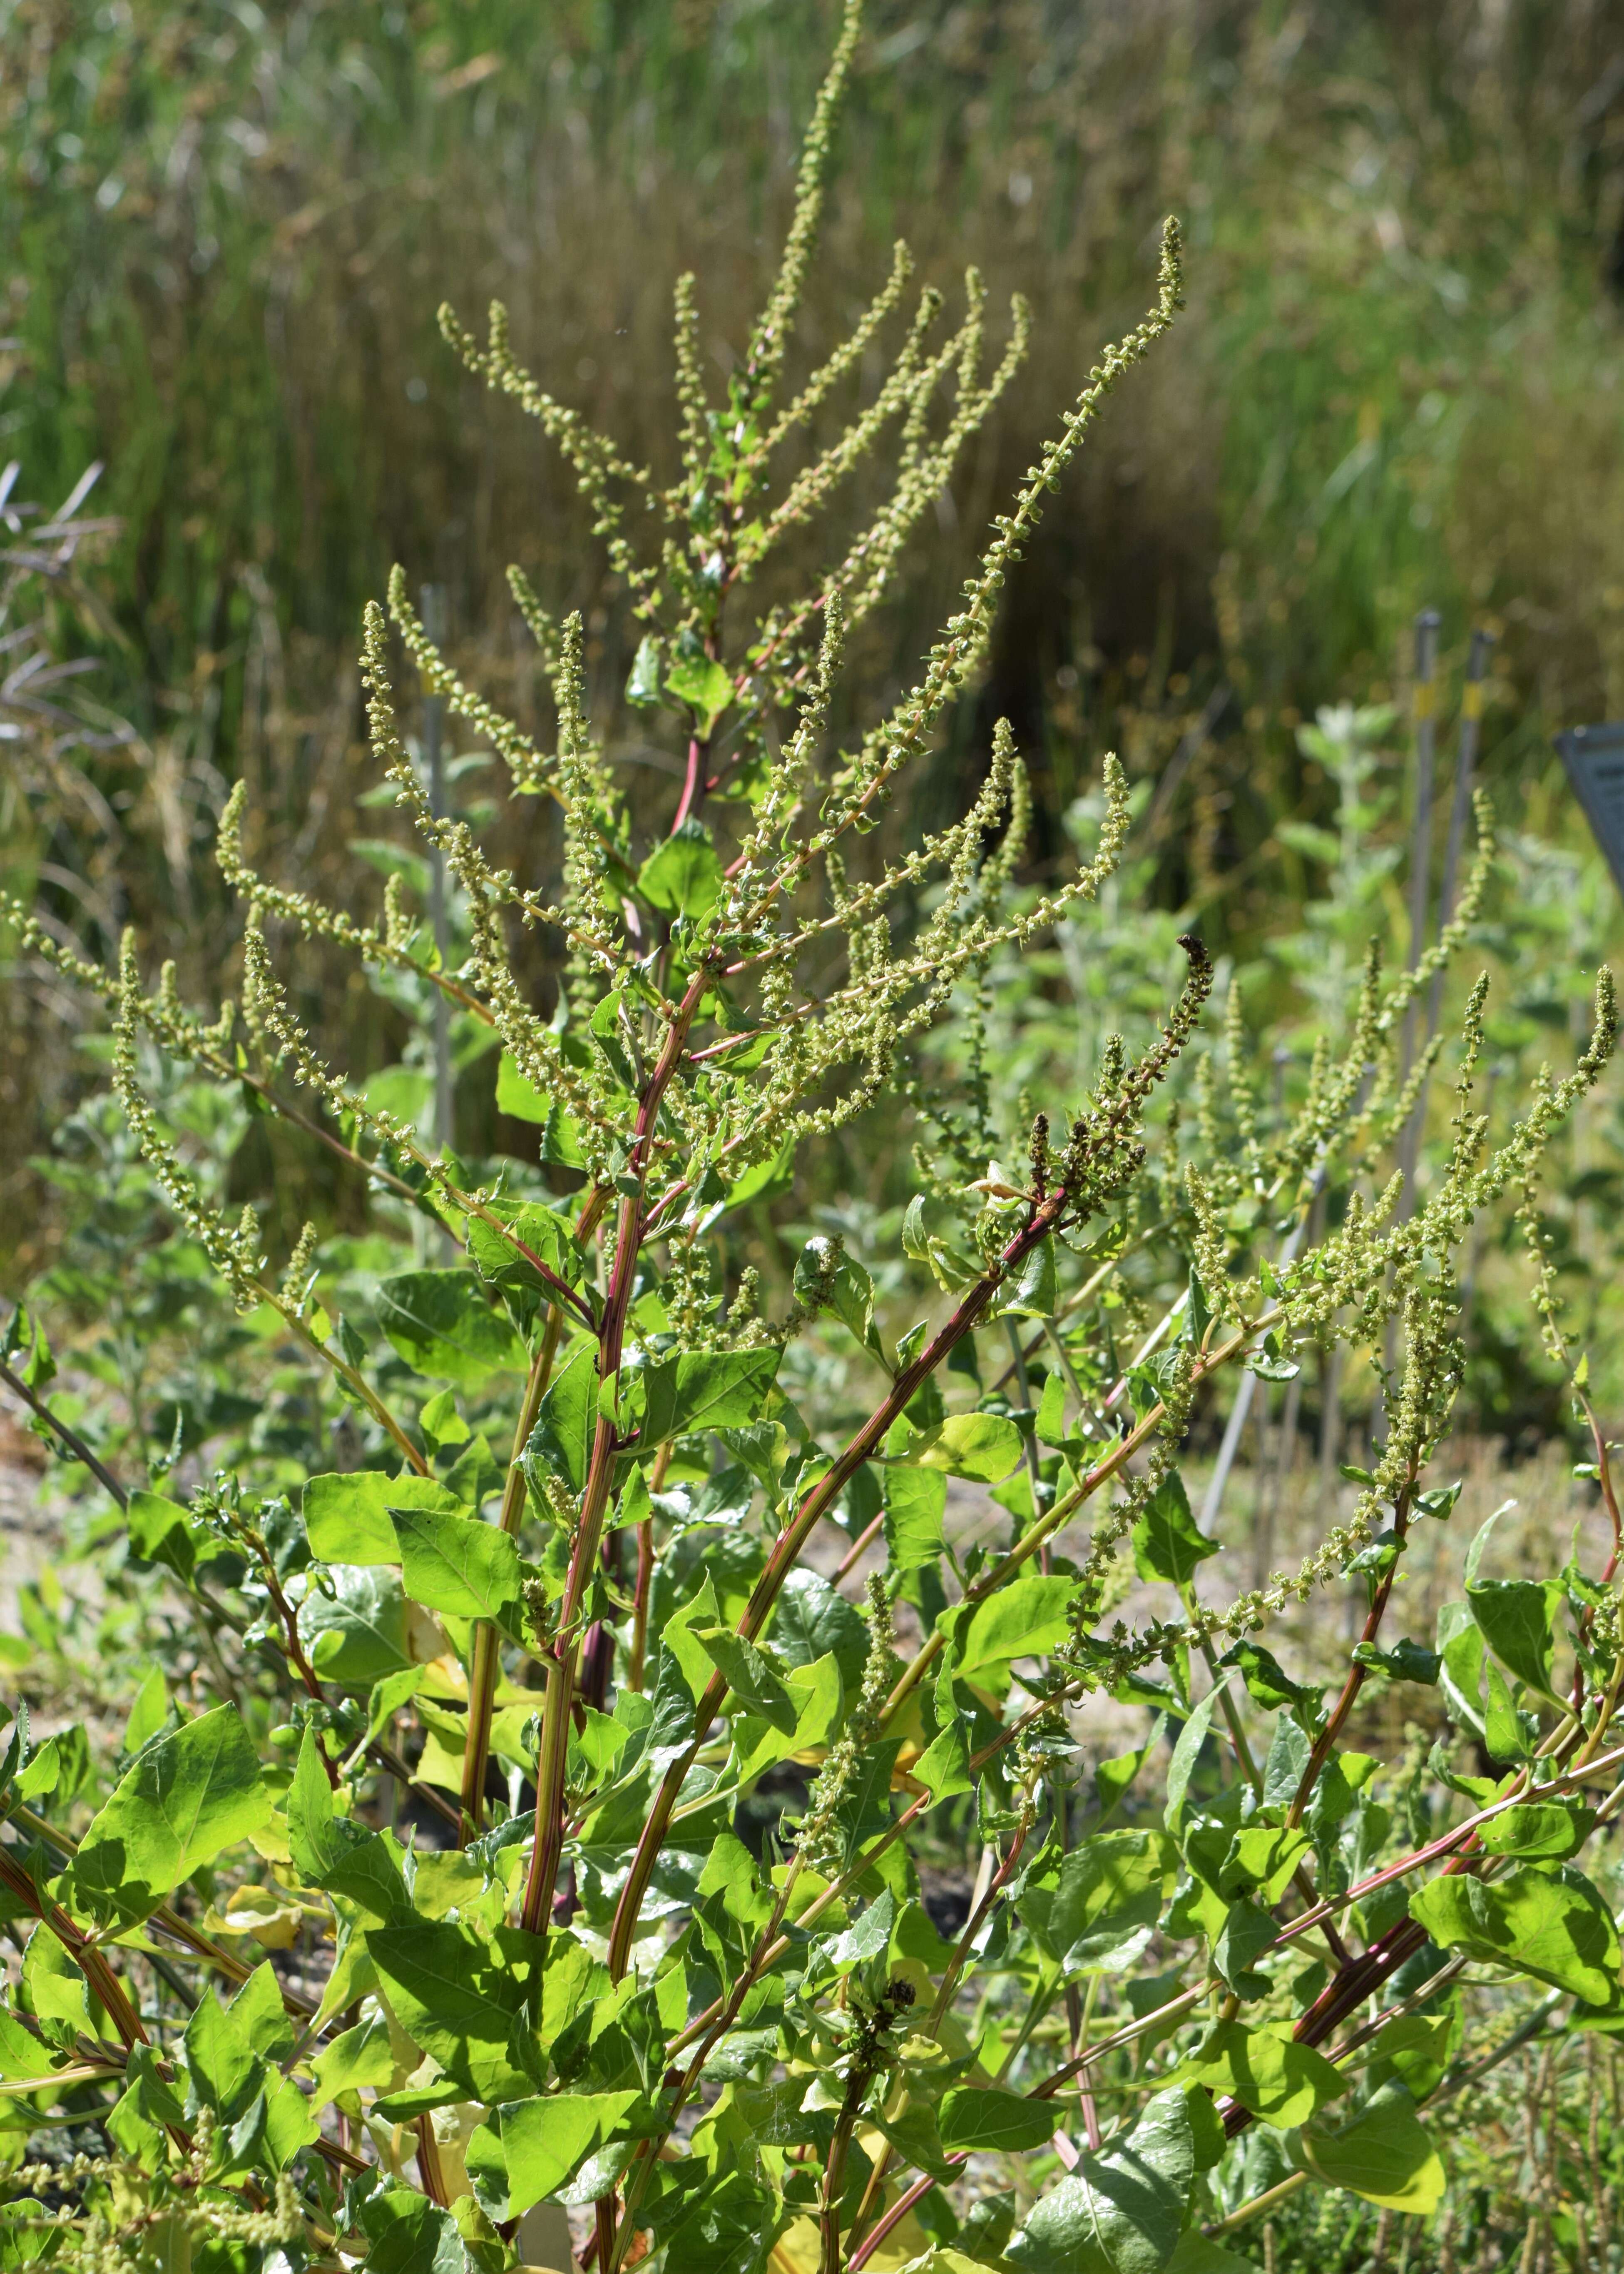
1025 1619
544 1231
982 1446
816 1695
161 1532
560 1443
705 1389
1551 1924
346 1516
751 1677
704 686
1106 1899
1281 2082
1551 1830
915 1502
682 876
1187 1752
457 1565
1517 1617
991 2121
544 2142
813 1617
1032 1293
455 2002
1120 2212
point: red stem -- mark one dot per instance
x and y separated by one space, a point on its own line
786 1552
547 1851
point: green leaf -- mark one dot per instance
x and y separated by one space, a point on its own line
1406 1661
704 686
944 1767
161 1532
359 2058
317 1837
560 1443
705 1389
1187 1752
915 1502
226 2072
1197 2253
1382 2153
1263 1857
727 2231
346 1516
1168 1543
1266 1678
1551 1830
984 1446
682 876
545 2140
1026 1619
1247 1932
192 1794
357 1634
561 1147
1283 2082
1461 1652
441 1325
869 1932
1032 1293
1049 1426
1120 2212
1550 1924
991 2121
457 1565
1516 1616
818 1697
408 2234
1110 1894
751 1676
542 1231
812 1617
21 2054
149 1713
458 2005
643 685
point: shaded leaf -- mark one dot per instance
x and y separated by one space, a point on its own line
441 1325
1382 2153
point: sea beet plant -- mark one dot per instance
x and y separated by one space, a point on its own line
586 1792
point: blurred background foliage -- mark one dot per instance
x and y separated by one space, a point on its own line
1400 382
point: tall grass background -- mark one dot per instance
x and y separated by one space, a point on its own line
1400 381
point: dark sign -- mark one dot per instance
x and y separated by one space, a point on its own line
1594 757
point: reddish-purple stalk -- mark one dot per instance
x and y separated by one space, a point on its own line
786 1550
564 1651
